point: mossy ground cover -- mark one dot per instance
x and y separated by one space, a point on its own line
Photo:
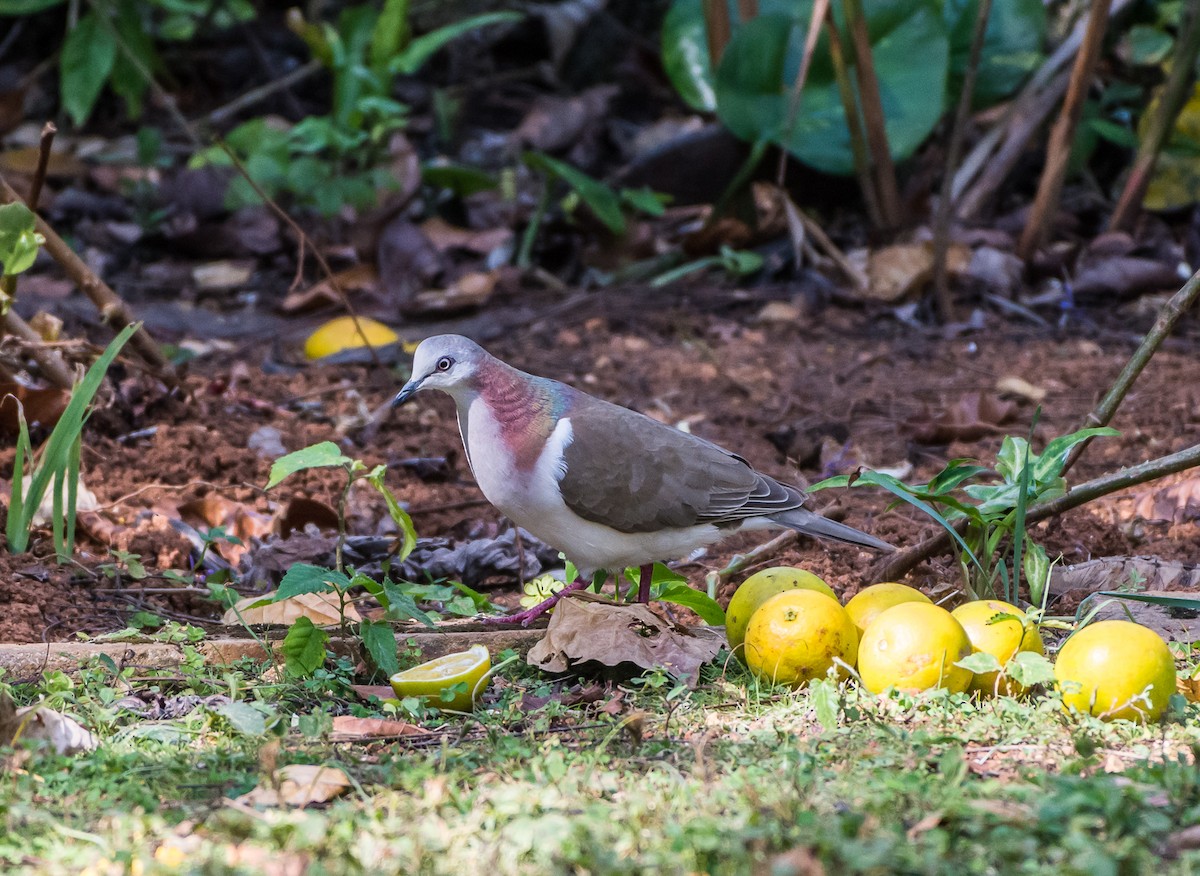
644 777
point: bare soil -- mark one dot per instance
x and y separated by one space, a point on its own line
801 399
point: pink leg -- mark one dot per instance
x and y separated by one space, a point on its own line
644 575
525 618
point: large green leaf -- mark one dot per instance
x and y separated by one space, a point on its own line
304 647
88 55
303 578
19 240
326 454
1012 45
682 594
26 7
911 53
380 644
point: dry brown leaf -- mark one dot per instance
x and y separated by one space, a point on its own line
320 608
445 236
299 784
472 289
971 418
366 691
407 261
554 124
903 270
66 735
357 279
347 728
239 520
587 635
1174 504
301 512
1013 385
41 406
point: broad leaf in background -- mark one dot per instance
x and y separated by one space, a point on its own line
685 55
380 642
600 198
88 55
1012 46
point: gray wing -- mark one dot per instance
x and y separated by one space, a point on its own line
634 474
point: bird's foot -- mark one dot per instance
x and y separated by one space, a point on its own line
525 618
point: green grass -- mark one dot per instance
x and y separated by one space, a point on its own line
726 779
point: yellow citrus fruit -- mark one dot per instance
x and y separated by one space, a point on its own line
341 334
1002 639
796 636
1116 669
914 646
760 587
428 680
870 602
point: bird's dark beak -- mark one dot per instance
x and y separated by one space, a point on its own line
407 391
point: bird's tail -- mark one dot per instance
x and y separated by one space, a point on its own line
805 521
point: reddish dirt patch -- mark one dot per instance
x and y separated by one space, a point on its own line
838 392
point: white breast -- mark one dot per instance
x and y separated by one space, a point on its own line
533 501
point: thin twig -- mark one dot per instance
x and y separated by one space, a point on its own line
897 564
945 210
1174 96
1062 136
291 223
255 95
1168 316
113 309
858 147
819 11
718 28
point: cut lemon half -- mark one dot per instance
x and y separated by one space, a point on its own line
469 668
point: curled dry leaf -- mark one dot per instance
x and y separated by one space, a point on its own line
587 635
237 519
41 406
903 270
354 280
971 418
347 728
1013 385
298 784
320 608
1174 504
65 735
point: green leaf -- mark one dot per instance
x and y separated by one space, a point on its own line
399 515
88 55
462 179
55 455
306 578
980 662
304 647
600 198
380 643
19 240
243 718
401 604
424 47
685 54
1012 46
128 80
1188 603
323 455
681 594
390 34
26 7
1029 668
1037 570
1148 46
646 200
752 98
823 694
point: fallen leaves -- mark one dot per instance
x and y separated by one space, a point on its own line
589 636
974 416
322 609
298 784
39 723
347 728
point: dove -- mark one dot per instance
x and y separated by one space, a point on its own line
609 487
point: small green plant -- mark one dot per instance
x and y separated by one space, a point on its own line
19 242
995 547
56 465
329 161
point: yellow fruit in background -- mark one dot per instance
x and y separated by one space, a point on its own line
796 636
341 334
428 680
760 587
1002 639
1116 669
870 602
912 647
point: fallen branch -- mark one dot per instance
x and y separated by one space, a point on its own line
901 562
1168 316
112 308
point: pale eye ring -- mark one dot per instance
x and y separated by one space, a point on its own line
444 363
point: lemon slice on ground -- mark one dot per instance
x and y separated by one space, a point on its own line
429 679
344 334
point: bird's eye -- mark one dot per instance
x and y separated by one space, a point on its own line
444 363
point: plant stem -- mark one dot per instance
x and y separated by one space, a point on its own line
819 11
901 562
858 142
945 209
1062 136
1168 316
1174 96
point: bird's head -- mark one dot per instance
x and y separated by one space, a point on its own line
446 362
